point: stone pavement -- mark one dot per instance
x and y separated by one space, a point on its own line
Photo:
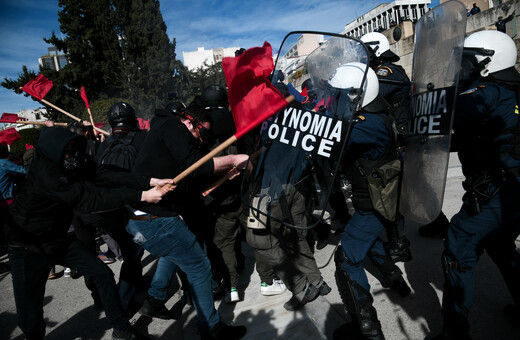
69 313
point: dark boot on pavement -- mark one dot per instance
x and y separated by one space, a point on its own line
221 331
155 308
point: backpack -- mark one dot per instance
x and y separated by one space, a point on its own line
120 153
383 177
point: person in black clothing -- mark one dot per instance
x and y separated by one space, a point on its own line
118 153
501 23
61 181
172 145
475 9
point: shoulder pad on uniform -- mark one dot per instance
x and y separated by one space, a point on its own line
360 117
473 90
383 71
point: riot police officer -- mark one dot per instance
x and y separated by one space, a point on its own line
372 143
394 88
487 138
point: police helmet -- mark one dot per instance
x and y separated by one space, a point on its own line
122 116
494 51
349 77
214 97
380 46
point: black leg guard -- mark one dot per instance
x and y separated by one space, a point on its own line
358 302
392 275
398 246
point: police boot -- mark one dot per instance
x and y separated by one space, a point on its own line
392 275
358 303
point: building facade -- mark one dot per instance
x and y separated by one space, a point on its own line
385 16
201 57
53 60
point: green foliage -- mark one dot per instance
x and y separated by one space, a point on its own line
99 108
203 76
29 136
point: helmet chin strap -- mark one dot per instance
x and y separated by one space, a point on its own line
482 66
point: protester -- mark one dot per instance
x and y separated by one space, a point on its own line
10 175
475 9
170 147
61 181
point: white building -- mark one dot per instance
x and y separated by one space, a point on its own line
387 15
202 57
53 60
35 115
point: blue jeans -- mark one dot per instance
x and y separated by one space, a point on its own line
170 239
30 270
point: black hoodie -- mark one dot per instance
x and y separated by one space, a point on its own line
42 213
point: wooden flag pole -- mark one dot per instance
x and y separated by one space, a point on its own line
91 120
212 153
37 123
69 115
224 178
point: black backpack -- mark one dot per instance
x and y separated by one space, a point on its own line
120 153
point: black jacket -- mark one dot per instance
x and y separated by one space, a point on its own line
170 148
42 213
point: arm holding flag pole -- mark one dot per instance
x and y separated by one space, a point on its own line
251 95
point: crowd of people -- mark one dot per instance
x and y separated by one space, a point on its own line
77 186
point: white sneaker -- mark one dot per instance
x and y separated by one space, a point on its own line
233 296
67 272
278 287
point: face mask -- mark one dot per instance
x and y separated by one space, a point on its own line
74 157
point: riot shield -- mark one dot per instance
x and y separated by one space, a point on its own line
439 39
299 149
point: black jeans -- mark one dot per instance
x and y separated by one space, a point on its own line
30 270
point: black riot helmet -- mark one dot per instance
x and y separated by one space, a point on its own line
121 116
214 97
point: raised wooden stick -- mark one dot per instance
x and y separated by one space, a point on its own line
37 123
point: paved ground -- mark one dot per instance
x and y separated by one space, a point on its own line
69 313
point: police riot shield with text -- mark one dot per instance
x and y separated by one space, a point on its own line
439 39
298 150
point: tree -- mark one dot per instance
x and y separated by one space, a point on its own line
149 56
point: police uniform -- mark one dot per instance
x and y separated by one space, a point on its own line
489 219
372 139
396 95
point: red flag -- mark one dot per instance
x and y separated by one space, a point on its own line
144 124
84 96
38 87
8 136
99 125
252 97
10 118
304 92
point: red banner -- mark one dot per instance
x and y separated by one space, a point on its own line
10 118
38 87
84 97
252 97
8 136
144 124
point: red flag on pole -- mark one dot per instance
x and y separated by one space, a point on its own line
144 124
252 97
38 87
304 92
84 96
10 118
8 136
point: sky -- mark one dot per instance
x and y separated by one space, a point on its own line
193 23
